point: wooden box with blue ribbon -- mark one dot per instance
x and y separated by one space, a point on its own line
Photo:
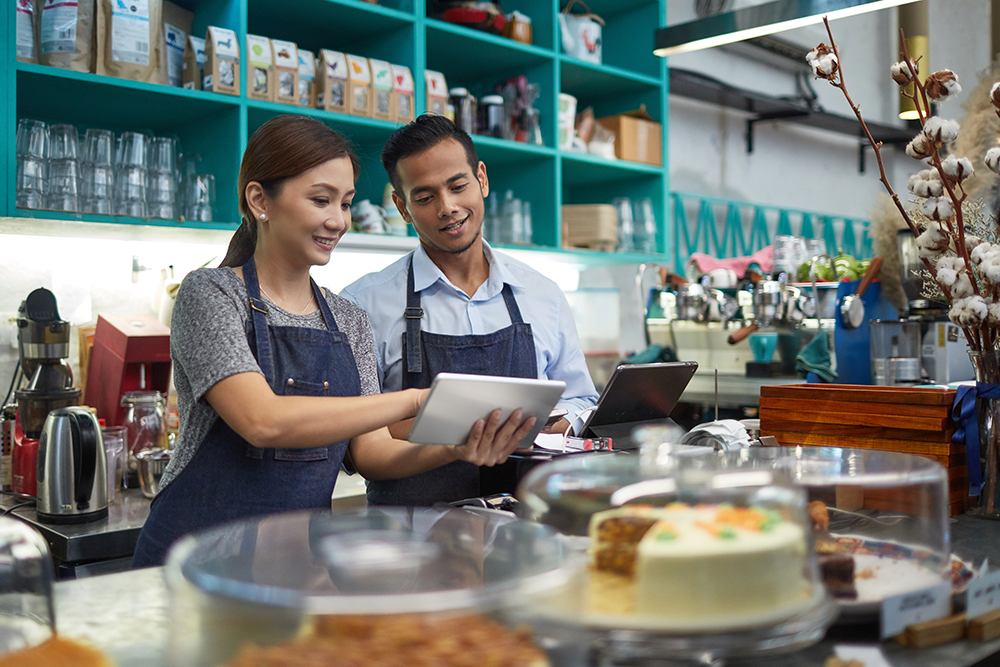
893 419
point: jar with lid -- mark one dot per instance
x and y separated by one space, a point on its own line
465 109
145 419
491 116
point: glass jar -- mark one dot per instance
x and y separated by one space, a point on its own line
145 419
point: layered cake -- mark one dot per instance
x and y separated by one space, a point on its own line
700 563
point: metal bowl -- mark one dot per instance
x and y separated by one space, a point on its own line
151 463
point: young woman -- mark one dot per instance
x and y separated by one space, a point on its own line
276 377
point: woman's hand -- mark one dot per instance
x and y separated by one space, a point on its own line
489 443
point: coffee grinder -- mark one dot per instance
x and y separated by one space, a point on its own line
43 347
944 351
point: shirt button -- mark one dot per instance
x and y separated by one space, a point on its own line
291 382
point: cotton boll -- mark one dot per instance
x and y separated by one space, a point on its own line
992 159
900 72
947 277
991 272
976 310
937 208
941 130
993 313
921 147
957 168
995 95
978 253
957 311
942 84
962 286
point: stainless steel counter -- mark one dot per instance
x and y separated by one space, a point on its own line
126 615
734 390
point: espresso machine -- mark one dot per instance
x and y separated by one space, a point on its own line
43 347
944 352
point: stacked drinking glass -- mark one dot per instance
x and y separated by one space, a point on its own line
32 163
131 176
98 172
64 168
162 180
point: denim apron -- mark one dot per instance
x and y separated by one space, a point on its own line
228 478
509 352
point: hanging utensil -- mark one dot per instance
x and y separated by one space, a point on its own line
852 309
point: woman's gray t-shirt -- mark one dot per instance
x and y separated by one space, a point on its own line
208 343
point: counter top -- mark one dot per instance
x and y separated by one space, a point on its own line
126 615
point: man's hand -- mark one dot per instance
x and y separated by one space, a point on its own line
557 427
489 443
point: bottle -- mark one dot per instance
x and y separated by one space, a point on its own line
513 221
526 222
491 222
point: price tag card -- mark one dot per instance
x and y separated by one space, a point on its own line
983 594
869 656
927 604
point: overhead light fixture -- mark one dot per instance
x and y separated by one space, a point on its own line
914 24
765 19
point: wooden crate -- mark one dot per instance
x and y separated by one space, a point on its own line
891 419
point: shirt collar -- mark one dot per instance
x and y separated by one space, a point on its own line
426 272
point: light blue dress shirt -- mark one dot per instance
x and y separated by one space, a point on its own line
450 311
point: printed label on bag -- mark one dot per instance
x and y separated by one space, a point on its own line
25 38
58 26
175 54
130 32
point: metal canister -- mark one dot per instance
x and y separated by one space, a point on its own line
8 422
768 302
692 302
465 109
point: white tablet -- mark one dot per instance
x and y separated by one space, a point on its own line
457 400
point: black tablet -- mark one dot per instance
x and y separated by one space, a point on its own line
635 394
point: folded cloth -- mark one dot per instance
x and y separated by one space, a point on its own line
724 434
763 258
815 358
652 354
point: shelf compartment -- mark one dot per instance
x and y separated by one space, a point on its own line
466 54
541 16
350 26
609 90
582 169
532 179
628 35
493 151
121 220
204 123
367 135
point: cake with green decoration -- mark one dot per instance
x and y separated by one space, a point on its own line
697 562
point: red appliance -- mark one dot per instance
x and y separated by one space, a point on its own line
23 462
131 353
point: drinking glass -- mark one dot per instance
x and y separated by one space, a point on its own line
114 449
815 247
132 149
98 146
97 188
162 154
64 142
199 196
626 227
32 139
64 185
130 191
645 226
32 182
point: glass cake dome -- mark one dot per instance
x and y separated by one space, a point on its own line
685 557
280 582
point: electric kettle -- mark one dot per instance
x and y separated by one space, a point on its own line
72 468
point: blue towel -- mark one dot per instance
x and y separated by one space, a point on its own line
814 358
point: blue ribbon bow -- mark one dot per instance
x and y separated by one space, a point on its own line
963 411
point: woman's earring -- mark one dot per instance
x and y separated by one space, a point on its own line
262 216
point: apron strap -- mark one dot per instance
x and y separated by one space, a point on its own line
258 311
512 309
412 315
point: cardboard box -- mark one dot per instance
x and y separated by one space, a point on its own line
286 71
260 69
222 61
331 81
381 89
194 62
177 23
638 137
402 94
437 92
359 86
307 78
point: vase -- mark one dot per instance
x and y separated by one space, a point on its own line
987 368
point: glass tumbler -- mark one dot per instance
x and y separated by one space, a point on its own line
64 185
626 226
64 142
132 150
98 146
130 191
145 420
199 197
114 450
32 182
32 139
645 226
162 154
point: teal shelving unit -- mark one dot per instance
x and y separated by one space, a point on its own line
217 126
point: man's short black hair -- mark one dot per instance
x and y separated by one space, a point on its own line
420 134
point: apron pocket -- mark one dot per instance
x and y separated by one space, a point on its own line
297 387
311 454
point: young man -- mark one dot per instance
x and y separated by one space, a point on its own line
456 305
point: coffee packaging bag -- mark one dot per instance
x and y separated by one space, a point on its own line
26 31
381 89
402 94
331 81
260 69
129 39
194 62
437 92
177 23
286 71
66 33
307 79
222 61
359 86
